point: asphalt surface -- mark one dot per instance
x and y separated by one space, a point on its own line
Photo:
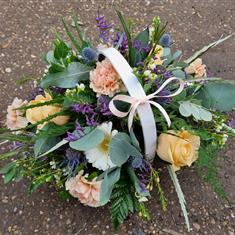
26 31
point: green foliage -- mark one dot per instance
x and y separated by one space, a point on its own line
120 149
44 143
14 137
69 77
139 55
85 96
123 202
207 168
187 108
90 140
179 194
204 49
217 95
71 37
111 177
11 172
52 130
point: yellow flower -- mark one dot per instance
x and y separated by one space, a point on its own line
196 68
178 148
37 114
158 53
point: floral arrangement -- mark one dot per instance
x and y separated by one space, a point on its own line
87 131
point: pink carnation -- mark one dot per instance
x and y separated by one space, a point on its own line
15 119
105 80
88 192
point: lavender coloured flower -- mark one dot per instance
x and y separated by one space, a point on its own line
104 27
167 75
123 47
103 104
83 108
143 171
137 45
77 134
90 121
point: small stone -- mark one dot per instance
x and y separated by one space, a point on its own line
196 226
8 70
4 200
212 221
68 221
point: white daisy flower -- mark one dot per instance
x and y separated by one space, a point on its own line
99 156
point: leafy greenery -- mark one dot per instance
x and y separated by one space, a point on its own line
207 168
69 77
217 95
90 140
123 202
111 177
120 149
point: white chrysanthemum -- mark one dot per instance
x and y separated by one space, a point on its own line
99 156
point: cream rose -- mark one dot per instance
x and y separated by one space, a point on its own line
37 114
178 148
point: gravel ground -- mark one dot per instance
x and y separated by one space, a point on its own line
26 31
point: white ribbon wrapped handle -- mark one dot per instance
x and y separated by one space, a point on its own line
138 100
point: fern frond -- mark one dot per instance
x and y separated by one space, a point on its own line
123 202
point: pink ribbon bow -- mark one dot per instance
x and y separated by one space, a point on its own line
135 102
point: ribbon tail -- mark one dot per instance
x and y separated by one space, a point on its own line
131 115
163 111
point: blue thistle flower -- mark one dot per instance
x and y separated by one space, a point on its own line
165 40
89 54
72 161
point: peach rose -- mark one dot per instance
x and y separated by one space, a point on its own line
88 192
15 119
37 114
104 80
196 68
178 148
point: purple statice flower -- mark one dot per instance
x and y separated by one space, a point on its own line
57 90
72 161
142 170
35 91
90 120
123 46
83 108
77 134
103 105
159 69
103 26
167 75
137 45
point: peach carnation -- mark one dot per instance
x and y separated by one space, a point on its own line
196 68
15 119
88 192
104 80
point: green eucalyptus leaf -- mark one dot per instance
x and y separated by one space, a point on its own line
111 177
218 95
166 51
176 54
69 78
188 108
88 141
120 149
179 73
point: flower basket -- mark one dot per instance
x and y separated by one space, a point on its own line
102 114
